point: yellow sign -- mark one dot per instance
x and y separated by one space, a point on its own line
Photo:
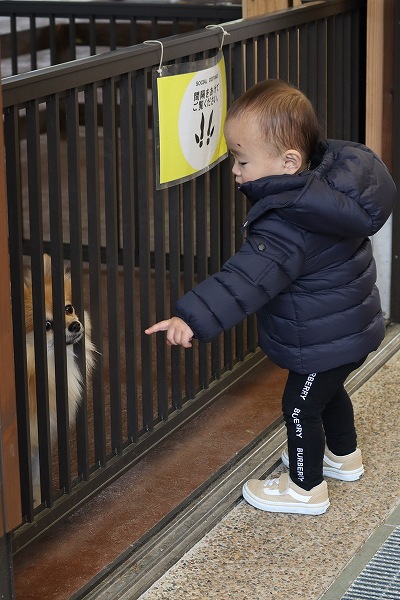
191 113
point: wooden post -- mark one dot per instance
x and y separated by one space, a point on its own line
254 8
10 495
379 133
379 95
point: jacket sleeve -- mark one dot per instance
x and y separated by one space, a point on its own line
265 265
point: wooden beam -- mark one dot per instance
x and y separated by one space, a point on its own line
254 8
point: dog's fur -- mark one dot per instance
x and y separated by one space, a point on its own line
74 332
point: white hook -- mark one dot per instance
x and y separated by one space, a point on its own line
159 70
224 32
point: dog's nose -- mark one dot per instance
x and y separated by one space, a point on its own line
74 327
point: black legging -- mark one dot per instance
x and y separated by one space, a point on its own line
317 409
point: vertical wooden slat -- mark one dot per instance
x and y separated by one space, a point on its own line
226 208
304 58
76 258
161 309
56 245
39 317
338 76
329 125
250 49
53 40
202 268
347 76
321 67
215 252
129 243
273 39
311 89
94 242
242 329
33 39
175 288
293 58
358 77
72 37
188 272
111 219
283 56
113 33
141 191
231 200
92 34
14 45
261 58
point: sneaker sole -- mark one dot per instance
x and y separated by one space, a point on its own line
343 475
332 472
282 507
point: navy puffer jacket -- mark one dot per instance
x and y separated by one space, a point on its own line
306 266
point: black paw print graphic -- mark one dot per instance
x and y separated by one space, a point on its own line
210 130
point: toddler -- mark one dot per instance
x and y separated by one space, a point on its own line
307 270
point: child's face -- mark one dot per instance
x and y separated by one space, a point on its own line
253 156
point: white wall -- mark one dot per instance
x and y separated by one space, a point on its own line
382 247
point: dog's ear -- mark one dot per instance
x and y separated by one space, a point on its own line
46 265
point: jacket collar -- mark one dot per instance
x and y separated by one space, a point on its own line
274 192
272 187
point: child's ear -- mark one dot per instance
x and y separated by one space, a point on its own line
292 161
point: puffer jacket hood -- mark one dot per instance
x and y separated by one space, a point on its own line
338 197
306 267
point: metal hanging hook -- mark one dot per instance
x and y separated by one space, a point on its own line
149 42
224 32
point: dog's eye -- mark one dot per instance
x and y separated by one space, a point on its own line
49 325
69 309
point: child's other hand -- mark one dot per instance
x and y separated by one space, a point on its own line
178 332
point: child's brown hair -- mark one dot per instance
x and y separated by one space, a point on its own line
284 114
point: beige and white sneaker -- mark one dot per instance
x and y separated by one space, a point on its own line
346 468
283 496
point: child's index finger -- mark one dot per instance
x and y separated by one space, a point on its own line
160 326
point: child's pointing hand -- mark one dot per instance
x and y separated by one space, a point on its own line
178 332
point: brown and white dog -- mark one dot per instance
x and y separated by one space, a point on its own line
74 332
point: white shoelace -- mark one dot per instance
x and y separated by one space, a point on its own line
271 482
